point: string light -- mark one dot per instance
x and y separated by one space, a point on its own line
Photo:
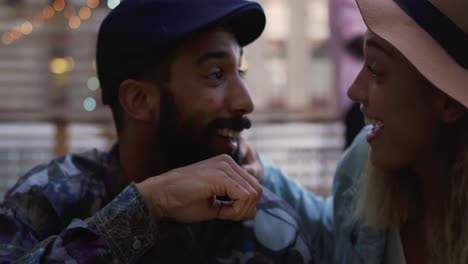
38 20
7 39
74 22
59 5
61 65
93 3
84 13
26 28
48 12
16 33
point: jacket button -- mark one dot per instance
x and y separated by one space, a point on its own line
136 244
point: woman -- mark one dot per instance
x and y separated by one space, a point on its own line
411 203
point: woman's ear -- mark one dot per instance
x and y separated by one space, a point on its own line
452 111
139 99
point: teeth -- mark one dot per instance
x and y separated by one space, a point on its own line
225 132
374 122
367 121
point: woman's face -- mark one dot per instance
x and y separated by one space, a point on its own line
403 107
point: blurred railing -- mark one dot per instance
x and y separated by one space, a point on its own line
307 152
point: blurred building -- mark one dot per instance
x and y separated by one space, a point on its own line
50 97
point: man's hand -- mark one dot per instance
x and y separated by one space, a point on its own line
248 159
186 194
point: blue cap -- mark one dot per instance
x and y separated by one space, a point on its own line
138 32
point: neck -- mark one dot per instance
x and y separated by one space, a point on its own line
433 179
433 176
140 155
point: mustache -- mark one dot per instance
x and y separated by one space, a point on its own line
235 123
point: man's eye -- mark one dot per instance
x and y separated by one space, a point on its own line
218 75
242 73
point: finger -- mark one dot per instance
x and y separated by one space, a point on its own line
250 196
252 181
232 170
239 195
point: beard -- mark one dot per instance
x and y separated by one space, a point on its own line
185 142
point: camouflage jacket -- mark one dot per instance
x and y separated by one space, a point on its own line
75 210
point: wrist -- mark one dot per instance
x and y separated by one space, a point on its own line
148 190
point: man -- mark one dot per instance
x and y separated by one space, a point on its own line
171 190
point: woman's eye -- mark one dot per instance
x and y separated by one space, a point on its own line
372 71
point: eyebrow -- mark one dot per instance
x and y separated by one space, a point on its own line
213 55
375 44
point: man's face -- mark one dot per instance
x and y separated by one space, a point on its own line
204 105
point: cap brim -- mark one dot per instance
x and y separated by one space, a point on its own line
247 24
247 21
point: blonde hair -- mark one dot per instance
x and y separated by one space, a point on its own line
386 198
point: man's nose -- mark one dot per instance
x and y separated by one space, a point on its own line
239 100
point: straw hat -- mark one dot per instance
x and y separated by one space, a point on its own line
432 35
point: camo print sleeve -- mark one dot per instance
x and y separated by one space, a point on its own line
52 218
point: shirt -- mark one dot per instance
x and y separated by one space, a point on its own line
335 237
76 209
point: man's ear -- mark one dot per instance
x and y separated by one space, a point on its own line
139 99
452 111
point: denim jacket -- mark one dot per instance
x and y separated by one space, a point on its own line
335 238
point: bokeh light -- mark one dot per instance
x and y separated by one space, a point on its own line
7 39
26 28
74 22
59 5
61 65
93 83
93 3
48 12
113 3
38 20
85 13
89 104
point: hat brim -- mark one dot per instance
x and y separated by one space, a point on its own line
386 19
247 22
